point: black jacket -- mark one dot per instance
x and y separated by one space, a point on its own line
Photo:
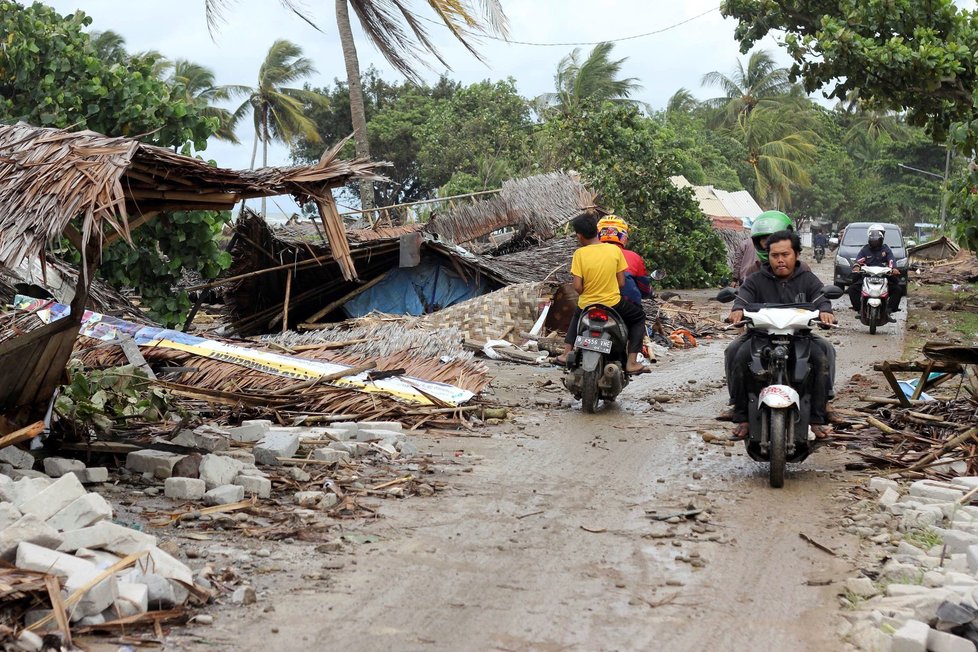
882 257
764 287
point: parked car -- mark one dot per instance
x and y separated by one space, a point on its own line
855 237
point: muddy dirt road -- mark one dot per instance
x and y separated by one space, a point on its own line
545 539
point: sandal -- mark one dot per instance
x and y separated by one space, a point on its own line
741 430
644 369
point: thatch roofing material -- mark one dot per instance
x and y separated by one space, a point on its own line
48 177
536 205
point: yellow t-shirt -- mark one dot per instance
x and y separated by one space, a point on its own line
599 264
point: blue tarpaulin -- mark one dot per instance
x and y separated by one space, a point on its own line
417 291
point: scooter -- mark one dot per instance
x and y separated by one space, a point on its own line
779 399
818 253
874 307
596 366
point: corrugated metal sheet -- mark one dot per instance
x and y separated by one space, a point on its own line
740 204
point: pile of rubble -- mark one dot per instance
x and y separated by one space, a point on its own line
924 594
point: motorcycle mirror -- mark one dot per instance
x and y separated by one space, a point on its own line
726 295
658 274
832 292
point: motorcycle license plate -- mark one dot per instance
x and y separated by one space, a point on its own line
593 344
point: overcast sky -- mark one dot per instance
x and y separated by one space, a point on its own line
662 62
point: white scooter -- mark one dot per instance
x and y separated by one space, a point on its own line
874 306
780 401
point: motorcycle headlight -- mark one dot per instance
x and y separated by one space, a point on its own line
839 260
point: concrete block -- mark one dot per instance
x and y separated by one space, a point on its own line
377 434
409 449
896 590
28 641
107 536
948 642
82 512
26 488
133 599
218 470
969 482
100 558
8 515
96 599
309 498
18 474
162 563
972 555
93 475
184 488
275 445
30 529
936 490
394 426
224 495
879 485
62 492
924 517
888 498
58 466
343 446
243 456
348 427
957 541
254 485
159 464
329 501
330 455
161 592
16 457
912 637
250 431
861 586
207 441
44 560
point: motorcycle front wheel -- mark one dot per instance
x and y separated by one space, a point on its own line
589 392
874 317
778 433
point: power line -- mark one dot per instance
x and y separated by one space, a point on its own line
610 40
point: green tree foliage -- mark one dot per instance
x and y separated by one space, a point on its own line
704 156
194 84
482 131
615 150
591 81
53 74
747 87
908 56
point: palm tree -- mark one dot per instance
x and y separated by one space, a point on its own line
111 46
594 80
277 110
383 22
746 88
778 152
682 101
194 84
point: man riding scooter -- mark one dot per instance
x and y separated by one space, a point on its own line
877 254
782 279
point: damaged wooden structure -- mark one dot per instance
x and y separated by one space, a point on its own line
94 190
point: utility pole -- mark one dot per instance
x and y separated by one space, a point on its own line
947 170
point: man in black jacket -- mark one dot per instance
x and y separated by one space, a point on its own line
876 253
782 280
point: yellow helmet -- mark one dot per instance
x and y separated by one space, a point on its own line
613 229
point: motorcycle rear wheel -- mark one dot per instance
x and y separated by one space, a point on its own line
778 433
589 392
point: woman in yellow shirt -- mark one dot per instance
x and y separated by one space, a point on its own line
598 269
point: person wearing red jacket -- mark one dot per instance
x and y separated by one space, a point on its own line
614 230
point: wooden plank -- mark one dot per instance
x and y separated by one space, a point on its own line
333 305
22 435
894 385
923 381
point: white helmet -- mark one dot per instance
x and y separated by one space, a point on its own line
875 232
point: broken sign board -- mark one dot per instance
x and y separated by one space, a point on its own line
107 328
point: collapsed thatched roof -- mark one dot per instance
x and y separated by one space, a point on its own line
48 177
536 205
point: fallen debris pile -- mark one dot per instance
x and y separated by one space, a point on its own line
962 268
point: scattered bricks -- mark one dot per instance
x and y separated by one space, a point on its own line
376 434
133 599
387 447
956 540
82 512
935 490
394 426
912 637
861 586
207 441
161 592
298 474
926 516
900 590
275 445
30 529
948 642
107 536
58 466
218 470
969 482
44 560
254 485
243 456
409 449
62 492
888 498
879 485
250 431
343 446
100 558
162 563
8 515
97 598
309 498
156 463
93 475
224 495
330 455
16 457
18 474
184 488
348 427
29 642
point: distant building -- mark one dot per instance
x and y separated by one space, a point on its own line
727 210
